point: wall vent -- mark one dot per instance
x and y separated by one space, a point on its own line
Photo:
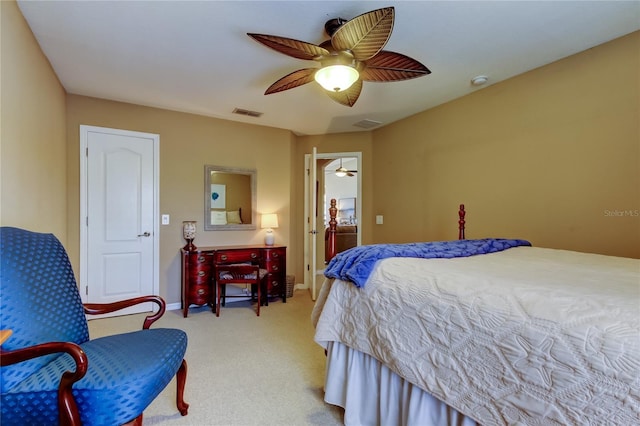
367 124
250 113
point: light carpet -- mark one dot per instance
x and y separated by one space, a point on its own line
243 369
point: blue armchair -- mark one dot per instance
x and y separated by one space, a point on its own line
51 373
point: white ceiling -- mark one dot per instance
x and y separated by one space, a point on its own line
196 57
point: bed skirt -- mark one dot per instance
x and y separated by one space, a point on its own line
371 394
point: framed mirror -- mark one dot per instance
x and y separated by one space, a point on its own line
229 198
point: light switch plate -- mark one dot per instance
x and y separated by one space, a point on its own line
379 219
165 219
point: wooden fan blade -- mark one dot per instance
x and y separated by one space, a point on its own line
289 81
391 66
365 35
295 48
347 97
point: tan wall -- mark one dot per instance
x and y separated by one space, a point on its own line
33 186
546 156
187 143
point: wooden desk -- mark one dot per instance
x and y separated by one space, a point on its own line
197 270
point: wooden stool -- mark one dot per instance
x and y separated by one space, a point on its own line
238 273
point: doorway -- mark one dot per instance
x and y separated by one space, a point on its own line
317 198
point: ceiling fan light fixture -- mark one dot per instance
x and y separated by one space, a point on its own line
337 78
341 172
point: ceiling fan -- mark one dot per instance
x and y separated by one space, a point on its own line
354 51
342 172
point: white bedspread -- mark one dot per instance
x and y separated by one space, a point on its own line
523 336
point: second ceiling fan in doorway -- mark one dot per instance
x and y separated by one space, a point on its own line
342 172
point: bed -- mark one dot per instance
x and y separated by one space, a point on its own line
491 332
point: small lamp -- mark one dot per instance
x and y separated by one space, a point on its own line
189 234
269 221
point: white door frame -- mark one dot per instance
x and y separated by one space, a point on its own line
310 283
83 275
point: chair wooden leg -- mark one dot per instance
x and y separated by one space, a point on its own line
181 379
218 300
259 299
266 293
224 295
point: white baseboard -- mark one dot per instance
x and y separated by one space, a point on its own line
174 306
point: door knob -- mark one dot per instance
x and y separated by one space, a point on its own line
146 234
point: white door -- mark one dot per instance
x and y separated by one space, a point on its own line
119 230
311 214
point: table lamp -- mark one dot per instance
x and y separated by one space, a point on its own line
269 221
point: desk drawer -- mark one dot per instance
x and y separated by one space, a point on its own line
200 275
236 256
199 294
274 266
274 254
199 268
275 284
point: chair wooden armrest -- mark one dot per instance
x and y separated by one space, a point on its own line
104 308
67 409
4 335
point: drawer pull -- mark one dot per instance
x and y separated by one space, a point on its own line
274 268
200 292
223 257
254 255
201 273
275 254
201 259
275 283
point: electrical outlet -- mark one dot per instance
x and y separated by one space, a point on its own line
379 219
165 219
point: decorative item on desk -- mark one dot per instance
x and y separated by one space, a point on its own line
189 233
269 221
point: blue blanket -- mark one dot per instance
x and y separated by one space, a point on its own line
356 264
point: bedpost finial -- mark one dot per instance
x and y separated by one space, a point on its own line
330 243
461 222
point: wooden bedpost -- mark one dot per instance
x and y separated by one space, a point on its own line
461 222
331 239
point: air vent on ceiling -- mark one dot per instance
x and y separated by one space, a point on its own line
367 124
250 113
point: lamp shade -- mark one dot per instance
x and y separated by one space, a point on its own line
270 220
336 78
